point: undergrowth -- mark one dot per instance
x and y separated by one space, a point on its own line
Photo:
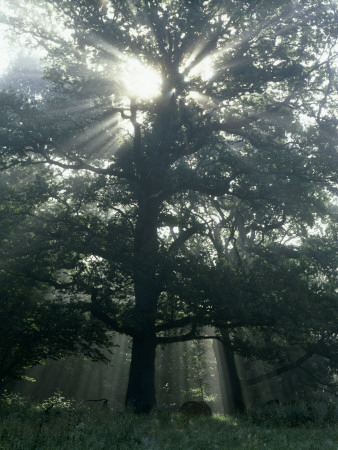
59 423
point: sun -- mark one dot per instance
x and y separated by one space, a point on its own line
140 81
143 82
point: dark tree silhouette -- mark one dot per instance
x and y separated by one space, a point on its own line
136 192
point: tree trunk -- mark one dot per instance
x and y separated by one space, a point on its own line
231 391
141 386
151 165
140 395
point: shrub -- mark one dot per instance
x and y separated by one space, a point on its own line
294 414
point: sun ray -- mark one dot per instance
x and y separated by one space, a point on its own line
94 130
98 144
5 54
78 106
95 140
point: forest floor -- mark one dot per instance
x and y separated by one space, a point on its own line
60 424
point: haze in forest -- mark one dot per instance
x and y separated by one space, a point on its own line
168 202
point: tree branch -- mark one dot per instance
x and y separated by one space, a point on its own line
190 336
111 322
182 238
317 379
277 372
179 323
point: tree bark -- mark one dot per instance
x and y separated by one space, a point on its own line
140 396
231 390
150 165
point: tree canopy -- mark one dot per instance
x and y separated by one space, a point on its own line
188 205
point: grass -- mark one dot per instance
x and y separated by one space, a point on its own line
70 425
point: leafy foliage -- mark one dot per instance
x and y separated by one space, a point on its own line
182 219
36 327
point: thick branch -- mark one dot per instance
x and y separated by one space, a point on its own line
279 371
190 336
202 186
111 322
184 338
182 238
41 279
204 320
81 165
317 379
179 323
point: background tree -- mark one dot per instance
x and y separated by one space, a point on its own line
299 284
37 321
35 328
122 219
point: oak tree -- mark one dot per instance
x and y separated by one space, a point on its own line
239 137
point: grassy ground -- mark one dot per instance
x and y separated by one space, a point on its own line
67 425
